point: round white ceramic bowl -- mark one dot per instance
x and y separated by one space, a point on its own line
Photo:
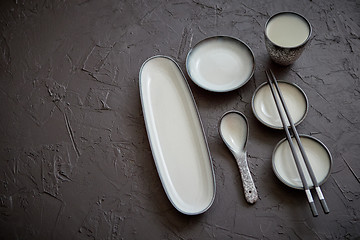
283 162
220 63
264 107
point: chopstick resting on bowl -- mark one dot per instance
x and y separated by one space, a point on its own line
272 80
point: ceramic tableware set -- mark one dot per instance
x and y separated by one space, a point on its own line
222 64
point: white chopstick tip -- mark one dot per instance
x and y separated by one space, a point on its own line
319 193
309 196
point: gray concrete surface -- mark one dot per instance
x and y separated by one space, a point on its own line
75 160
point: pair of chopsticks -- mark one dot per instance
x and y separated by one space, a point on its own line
272 81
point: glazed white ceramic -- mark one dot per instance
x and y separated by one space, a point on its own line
176 136
288 30
220 64
284 164
234 131
264 106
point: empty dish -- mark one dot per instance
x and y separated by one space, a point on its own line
176 136
264 107
220 63
284 165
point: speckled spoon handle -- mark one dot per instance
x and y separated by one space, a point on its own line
249 187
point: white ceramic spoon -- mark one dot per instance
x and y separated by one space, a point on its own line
234 131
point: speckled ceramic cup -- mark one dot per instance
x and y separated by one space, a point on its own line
286 35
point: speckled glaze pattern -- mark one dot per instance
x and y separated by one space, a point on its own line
283 56
250 192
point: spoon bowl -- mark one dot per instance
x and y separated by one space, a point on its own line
234 131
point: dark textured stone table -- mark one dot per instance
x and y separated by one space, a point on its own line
75 160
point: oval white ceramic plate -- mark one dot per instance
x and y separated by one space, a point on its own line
284 165
176 136
220 63
264 107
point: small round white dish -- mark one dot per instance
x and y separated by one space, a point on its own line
264 107
284 165
220 63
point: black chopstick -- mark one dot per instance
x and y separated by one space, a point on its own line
297 161
302 150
